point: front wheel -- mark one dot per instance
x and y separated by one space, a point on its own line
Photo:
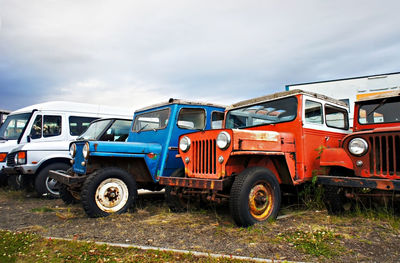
111 190
46 186
255 196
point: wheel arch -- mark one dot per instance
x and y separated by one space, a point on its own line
51 161
135 166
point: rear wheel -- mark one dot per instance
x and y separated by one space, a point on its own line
255 196
46 186
111 190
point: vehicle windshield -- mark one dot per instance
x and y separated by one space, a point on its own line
152 120
94 130
379 111
270 112
13 126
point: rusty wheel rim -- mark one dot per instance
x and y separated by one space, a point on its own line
112 195
261 201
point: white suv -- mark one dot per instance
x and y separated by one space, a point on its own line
35 139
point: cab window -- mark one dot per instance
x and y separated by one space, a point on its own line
313 112
336 117
193 119
216 120
36 131
77 125
51 126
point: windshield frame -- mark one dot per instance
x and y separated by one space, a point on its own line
7 121
263 103
151 129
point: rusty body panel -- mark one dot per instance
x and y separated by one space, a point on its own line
378 167
287 149
195 183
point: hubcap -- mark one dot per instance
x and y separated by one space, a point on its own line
111 195
260 201
51 186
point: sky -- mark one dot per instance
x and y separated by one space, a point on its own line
136 53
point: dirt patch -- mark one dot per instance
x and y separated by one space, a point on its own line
306 235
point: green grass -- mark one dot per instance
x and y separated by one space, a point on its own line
25 247
320 242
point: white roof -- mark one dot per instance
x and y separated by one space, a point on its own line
67 106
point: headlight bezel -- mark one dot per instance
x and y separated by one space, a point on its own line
184 144
86 151
362 143
223 140
72 150
20 158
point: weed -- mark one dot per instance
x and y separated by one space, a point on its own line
320 242
312 195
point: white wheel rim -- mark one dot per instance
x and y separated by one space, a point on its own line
51 186
112 195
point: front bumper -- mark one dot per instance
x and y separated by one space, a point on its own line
11 170
197 183
66 178
359 182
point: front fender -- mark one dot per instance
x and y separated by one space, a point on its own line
336 157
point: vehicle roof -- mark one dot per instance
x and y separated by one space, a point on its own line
284 94
67 106
384 95
183 102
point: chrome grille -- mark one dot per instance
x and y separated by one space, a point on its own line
204 157
384 155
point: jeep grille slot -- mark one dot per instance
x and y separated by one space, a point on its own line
11 159
384 155
204 157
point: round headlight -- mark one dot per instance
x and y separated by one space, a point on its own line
72 150
358 146
184 144
85 150
223 140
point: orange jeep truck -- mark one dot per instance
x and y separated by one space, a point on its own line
367 162
267 142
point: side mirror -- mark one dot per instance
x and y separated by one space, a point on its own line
28 138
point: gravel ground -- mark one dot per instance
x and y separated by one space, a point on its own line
359 238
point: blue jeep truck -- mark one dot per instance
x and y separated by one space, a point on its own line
105 176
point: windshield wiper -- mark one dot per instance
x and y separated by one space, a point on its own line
377 107
142 128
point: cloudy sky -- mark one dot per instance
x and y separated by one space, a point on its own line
138 52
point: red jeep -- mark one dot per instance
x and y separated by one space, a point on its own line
367 163
267 142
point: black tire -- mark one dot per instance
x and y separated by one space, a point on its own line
66 195
46 186
174 202
17 182
98 187
257 186
334 199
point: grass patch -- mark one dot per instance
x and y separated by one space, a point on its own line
26 247
320 242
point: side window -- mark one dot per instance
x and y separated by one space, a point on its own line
336 117
77 125
51 126
216 120
193 119
36 131
313 112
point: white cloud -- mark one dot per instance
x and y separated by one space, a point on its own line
222 51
